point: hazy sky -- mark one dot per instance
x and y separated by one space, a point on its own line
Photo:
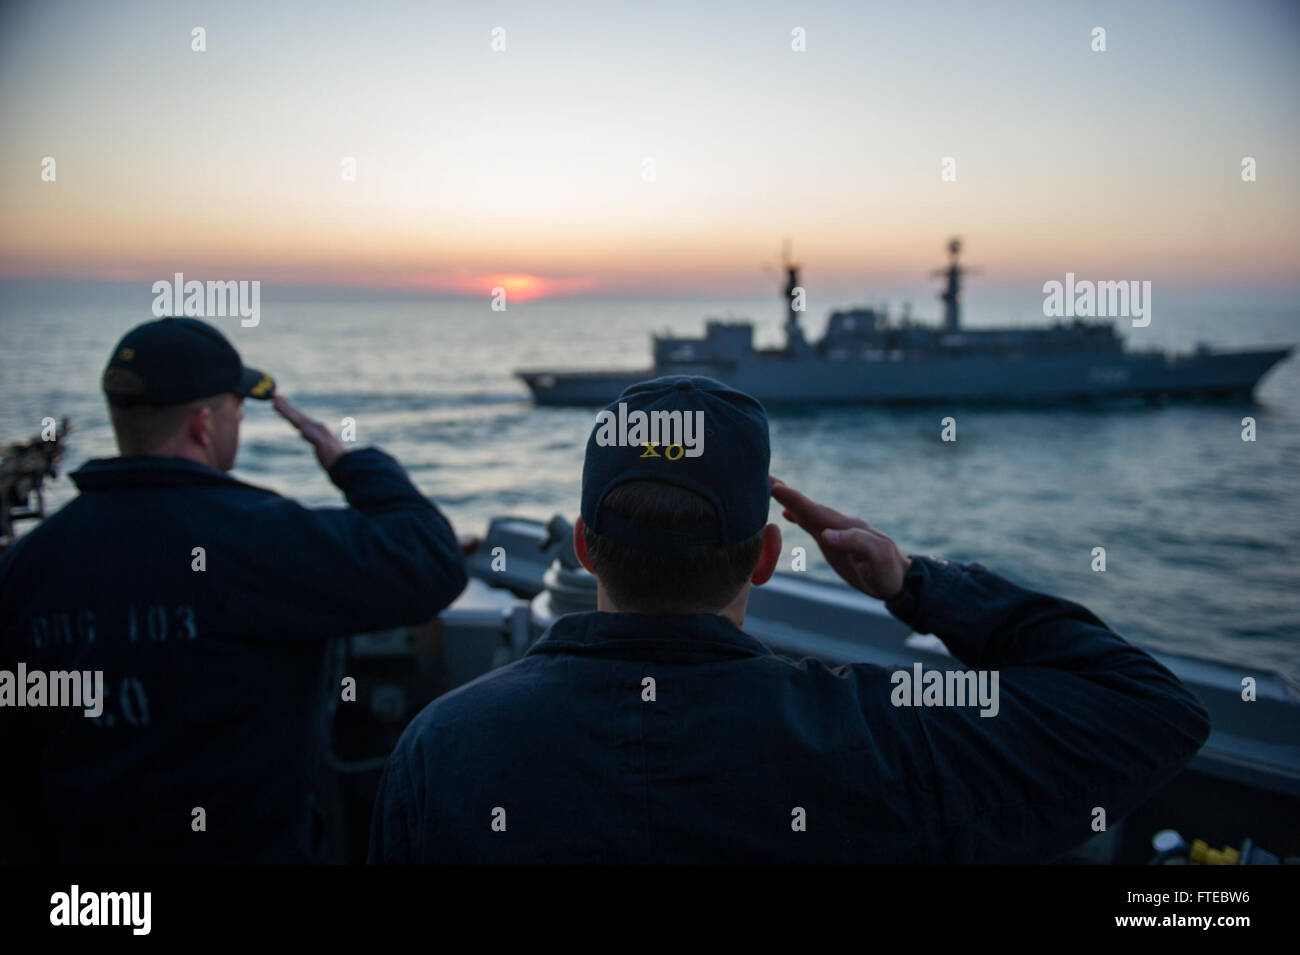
473 164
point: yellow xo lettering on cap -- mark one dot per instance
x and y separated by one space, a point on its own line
650 452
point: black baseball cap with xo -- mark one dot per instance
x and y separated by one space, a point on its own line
174 360
728 465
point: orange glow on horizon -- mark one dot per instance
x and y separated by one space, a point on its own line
520 288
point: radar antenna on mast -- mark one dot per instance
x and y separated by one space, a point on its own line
794 341
951 295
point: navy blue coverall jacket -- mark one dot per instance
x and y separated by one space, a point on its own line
213 678
744 756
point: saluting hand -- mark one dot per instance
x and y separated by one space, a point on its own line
328 448
866 559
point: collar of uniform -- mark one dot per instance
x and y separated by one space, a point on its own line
147 470
683 637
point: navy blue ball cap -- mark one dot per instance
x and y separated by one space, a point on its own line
692 432
175 360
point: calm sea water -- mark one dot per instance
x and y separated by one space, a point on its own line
1201 529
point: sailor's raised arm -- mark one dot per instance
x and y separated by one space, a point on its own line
1081 719
1087 727
388 559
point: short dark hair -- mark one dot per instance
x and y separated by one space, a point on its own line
703 579
141 429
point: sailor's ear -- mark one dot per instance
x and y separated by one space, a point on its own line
200 425
768 557
580 545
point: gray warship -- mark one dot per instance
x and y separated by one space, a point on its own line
864 357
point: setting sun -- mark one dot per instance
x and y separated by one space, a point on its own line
524 288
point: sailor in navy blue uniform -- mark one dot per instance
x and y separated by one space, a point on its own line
207 604
654 729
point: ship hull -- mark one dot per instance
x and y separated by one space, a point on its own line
1034 379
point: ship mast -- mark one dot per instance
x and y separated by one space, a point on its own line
951 295
795 343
